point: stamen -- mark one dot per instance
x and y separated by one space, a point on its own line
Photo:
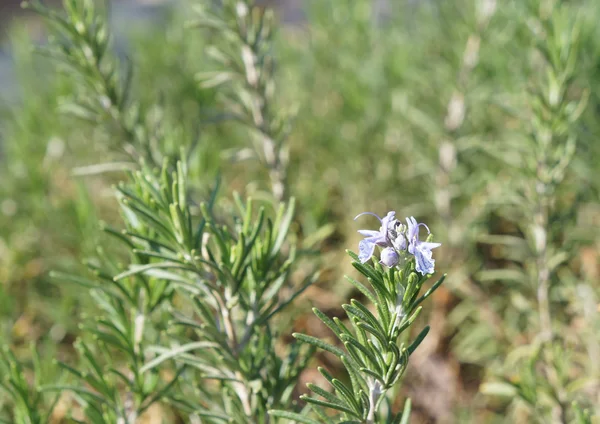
428 232
368 213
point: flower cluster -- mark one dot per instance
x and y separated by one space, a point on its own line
397 239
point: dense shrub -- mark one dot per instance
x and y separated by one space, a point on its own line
170 214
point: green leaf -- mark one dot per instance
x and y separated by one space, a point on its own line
366 316
283 225
329 405
79 390
404 418
140 269
383 305
350 341
330 397
318 343
178 280
428 292
498 388
380 337
210 414
502 275
410 320
174 353
328 322
321 413
83 282
342 327
372 373
369 272
579 384
363 289
347 395
415 344
292 416
357 380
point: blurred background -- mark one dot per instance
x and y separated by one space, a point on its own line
430 108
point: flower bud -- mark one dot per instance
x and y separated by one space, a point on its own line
389 257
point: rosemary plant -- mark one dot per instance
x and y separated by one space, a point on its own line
234 277
246 80
189 298
375 354
237 272
30 405
115 385
554 104
244 277
82 43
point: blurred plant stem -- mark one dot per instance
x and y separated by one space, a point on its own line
543 272
244 53
456 115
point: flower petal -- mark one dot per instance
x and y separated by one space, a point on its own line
413 229
368 233
424 262
428 245
386 221
365 250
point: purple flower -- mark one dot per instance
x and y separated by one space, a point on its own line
366 247
420 249
396 239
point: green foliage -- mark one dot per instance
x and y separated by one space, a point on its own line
244 277
129 300
245 81
479 116
233 276
552 107
38 198
29 403
237 273
81 41
374 359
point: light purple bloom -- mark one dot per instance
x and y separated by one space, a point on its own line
420 249
396 239
366 247
389 257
